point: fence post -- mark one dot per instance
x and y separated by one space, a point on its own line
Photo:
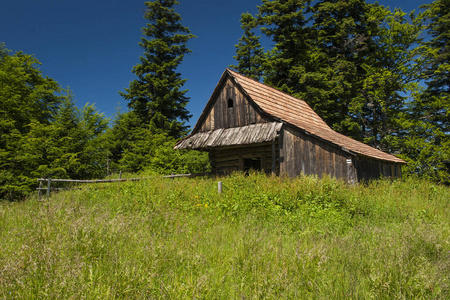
49 180
39 191
219 187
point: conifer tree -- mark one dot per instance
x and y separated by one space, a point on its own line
436 97
284 22
392 78
249 53
156 96
360 66
42 132
342 38
27 100
427 146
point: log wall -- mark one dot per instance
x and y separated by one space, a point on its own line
240 114
225 160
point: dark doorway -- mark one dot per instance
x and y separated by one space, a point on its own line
252 163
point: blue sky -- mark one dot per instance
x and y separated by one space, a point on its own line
91 46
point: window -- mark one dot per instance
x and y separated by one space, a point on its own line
253 163
230 103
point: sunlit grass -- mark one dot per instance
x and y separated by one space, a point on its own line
262 238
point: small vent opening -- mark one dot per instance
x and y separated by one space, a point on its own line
230 103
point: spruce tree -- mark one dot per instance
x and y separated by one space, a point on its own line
27 100
285 23
42 132
427 146
249 53
391 80
342 38
360 66
436 97
156 96
133 148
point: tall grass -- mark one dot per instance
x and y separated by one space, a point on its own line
262 238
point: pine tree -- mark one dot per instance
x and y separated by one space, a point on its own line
156 96
249 53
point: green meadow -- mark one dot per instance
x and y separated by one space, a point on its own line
263 237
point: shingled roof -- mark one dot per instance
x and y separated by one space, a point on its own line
296 112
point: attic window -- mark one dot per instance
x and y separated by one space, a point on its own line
230 103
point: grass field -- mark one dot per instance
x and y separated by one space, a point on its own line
262 238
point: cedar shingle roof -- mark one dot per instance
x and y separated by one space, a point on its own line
298 113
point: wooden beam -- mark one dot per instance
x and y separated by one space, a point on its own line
88 181
274 160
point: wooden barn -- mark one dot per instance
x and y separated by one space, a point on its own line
249 125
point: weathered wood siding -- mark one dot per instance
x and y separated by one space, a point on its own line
229 159
303 154
222 137
368 169
221 116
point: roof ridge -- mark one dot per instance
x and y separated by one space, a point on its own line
262 83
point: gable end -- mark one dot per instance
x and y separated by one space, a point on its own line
229 107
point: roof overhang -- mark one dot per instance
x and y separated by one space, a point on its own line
245 135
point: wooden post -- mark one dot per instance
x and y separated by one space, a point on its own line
274 160
351 171
107 165
120 175
39 191
49 180
219 187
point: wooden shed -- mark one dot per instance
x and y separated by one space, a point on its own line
249 125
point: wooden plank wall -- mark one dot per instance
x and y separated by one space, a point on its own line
225 160
242 113
303 154
368 169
